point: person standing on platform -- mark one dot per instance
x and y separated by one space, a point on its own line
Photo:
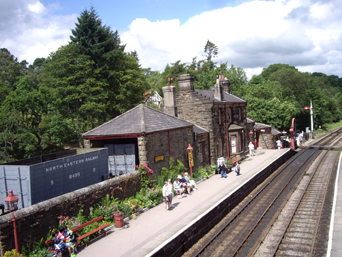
251 149
278 144
222 169
166 196
237 169
170 193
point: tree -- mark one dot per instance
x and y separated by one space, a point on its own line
109 65
211 51
10 71
266 72
28 104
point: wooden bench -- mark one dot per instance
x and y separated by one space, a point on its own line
81 238
99 228
233 160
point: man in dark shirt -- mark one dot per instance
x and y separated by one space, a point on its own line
222 169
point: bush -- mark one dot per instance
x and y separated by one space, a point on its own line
13 253
204 172
175 168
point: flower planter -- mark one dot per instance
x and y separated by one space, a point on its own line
118 217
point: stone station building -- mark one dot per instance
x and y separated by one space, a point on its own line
213 122
219 112
146 135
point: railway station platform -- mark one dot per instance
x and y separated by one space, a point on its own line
157 227
335 235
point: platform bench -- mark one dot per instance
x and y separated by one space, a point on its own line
233 160
99 228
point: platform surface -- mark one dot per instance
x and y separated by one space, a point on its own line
156 226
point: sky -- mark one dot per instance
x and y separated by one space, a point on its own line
249 34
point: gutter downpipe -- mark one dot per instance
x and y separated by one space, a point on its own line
170 143
227 134
209 148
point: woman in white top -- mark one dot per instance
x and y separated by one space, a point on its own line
251 148
166 196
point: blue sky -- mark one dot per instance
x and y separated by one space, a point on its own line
250 34
119 14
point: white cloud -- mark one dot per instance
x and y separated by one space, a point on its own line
252 35
31 30
37 7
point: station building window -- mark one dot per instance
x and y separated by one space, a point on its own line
201 152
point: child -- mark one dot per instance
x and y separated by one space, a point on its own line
62 242
69 236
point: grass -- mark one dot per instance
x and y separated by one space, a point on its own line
328 128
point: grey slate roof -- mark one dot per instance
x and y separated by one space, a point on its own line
275 132
249 120
261 125
230 98
234 127
140 119
199 130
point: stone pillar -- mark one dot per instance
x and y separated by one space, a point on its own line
169 100
142 149
185 82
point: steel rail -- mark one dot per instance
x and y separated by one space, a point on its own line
297 204
257 194
305 192
321 142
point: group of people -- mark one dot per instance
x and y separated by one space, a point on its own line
223 169
182 184
64 239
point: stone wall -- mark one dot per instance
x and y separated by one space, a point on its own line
198 110
203 112
202 139
35 221
157 145
265 139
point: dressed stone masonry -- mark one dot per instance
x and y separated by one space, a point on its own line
222 114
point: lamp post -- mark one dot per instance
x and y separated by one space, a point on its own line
12 205
191 159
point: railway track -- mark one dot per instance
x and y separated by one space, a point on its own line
288 207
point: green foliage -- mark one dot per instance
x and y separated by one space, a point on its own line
281 92
176 167
13 253
266 72
204 172
10 72
106 208
40 253
148 196
211 51
145 175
